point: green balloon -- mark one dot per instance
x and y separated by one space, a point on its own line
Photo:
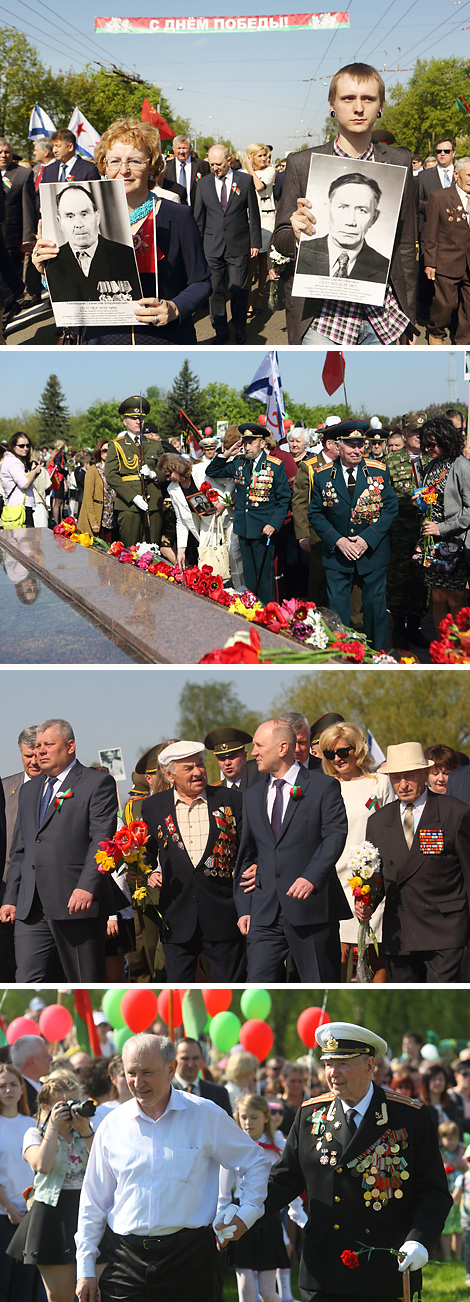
225 1031
120 1037
256 1003
112 1007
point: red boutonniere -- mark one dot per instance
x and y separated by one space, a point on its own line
235 189
350 1259
295 793
61 796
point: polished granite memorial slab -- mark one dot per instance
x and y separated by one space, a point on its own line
154 619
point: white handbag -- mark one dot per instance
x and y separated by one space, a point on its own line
214 550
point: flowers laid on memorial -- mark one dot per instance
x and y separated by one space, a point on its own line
453 646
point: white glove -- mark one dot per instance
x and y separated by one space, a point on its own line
416 1256
148 473
221 1227
140 502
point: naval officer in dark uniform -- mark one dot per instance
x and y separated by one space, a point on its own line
123 473
370 1161
228 745
262 502
352 508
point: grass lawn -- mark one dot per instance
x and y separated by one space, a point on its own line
440 1284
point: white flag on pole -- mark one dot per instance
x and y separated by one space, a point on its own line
40 124
87 137
375 751
267 386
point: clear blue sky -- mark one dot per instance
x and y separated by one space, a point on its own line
390 381
250 87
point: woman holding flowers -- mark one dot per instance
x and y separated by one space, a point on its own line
445 498
344 753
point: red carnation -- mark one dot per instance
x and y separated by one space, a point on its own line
349 1259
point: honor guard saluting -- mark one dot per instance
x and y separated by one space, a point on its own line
134 477
370 1161
228 745
352 507
262 502
407 596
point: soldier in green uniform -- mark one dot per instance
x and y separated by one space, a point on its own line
263 500
228 745
370 1162
407 594
301 494
352 508
123 473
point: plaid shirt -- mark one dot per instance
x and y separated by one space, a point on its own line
193 823
341 321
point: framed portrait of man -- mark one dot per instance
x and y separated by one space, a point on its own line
356 204
93 280
113 760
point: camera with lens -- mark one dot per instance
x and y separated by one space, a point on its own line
85 1109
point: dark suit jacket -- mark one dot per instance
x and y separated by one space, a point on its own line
235 231
314 261
313 834
428 181
60 855
3 830
446 239
83 170
335 1194
112 261
189 894
12 787
250 774
459 784
216 1093
175 189
402 276
31 1095
21 218
427 896
199 168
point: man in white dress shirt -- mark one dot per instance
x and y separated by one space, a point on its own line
153 1176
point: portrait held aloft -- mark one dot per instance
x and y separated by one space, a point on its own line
95 266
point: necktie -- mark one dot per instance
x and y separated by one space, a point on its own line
223 195
190 1089
351 483
350 1120
342 267
182 180
276 816
62 172
46 799
409 826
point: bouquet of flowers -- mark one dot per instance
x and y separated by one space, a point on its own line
125 855
425 499
366 884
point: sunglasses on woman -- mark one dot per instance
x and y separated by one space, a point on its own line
341 753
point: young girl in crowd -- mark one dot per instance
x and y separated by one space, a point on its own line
17 1282
262 1249
452 1152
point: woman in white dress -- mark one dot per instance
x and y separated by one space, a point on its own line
256 163
184 480
345 756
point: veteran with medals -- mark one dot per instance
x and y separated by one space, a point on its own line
370 1162
351 509
262 502
129 475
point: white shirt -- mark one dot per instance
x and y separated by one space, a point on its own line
152 1178
13 1174
417 809
219 180
187 176
69 166
289 780
346 470
464 198
84 257
446 174
57 782
359 1108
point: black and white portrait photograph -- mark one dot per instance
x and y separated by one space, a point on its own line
112 759
96 267
356 205
199 503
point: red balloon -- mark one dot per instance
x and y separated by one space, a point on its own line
307 1024
55 1022
217 1001
261 420
208 431
257 1038
163 1008
288 424
139 1009
21 1026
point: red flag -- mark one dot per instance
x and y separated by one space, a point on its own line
333 371
151 114
85 1028
196 433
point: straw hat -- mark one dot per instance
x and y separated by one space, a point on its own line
406 757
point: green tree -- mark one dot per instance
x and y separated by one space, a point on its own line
187 395
410 710
53 413
420 111
225 403
21 80
207 705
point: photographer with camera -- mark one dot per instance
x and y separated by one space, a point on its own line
57 1149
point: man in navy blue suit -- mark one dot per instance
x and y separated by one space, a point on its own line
68 165
294 829
227 213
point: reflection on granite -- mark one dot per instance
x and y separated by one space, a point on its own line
39 627
156 619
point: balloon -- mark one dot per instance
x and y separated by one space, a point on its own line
139 1009
111 1005
208 431
429 1053
224 1031
257 1037
256 1003
163 1008
21 1026
194 1013
288 424
55 1022
217 1001
307 1024
120 1036
261 420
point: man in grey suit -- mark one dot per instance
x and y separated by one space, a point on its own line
55 896
12 786
228 217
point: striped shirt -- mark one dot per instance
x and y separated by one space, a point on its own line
193 823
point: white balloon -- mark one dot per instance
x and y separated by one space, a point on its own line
429 1052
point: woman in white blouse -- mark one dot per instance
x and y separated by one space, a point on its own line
256 163
18 475
184 479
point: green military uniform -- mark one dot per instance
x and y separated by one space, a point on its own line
263 497
122 474
407 594
301 493
369 513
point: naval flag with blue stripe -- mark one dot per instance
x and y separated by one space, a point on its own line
267 386
40 124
